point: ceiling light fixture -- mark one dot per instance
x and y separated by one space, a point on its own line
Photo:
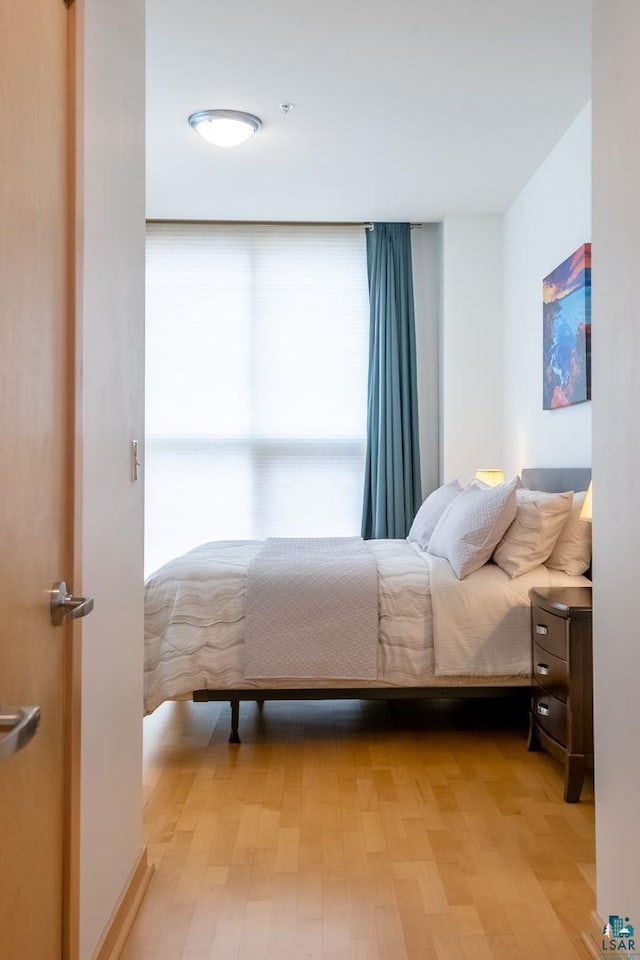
225 128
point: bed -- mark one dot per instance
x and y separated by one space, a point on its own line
437 636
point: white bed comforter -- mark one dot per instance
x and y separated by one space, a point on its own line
433 629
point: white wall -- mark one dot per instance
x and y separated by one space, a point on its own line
471 346
425 256
548 221
111 322
616 453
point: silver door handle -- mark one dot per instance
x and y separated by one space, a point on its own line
540 628
543 669
21 723
63 604
543 710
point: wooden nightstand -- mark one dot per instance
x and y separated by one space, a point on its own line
561 718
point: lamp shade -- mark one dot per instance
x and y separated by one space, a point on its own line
587 510
491 477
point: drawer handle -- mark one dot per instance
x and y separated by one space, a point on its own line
543 669
543 710
540 628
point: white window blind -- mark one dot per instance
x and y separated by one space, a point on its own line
257 351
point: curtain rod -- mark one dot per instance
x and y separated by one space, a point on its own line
412 226
367 224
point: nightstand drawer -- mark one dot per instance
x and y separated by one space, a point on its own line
550 672
550 632
550 714
561 718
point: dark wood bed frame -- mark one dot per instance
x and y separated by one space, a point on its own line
549 479
353 693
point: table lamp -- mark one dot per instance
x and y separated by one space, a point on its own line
491 477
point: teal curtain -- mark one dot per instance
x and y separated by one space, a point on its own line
392 491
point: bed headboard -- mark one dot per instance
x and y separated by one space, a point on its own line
556 479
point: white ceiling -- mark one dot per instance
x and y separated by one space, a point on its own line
405 109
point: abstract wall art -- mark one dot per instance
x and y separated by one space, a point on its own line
566 337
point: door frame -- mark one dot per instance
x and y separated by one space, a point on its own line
73 628
95 921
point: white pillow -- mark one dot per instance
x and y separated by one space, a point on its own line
470 528
572 552
533 534
431 511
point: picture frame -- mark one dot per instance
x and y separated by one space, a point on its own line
566 335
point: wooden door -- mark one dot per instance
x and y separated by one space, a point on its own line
35 500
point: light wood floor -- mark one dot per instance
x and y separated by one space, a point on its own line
346 830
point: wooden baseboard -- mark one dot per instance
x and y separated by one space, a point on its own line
119 927
592 938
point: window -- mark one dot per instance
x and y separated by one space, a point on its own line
257 351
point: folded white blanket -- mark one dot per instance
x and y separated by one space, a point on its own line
312 609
